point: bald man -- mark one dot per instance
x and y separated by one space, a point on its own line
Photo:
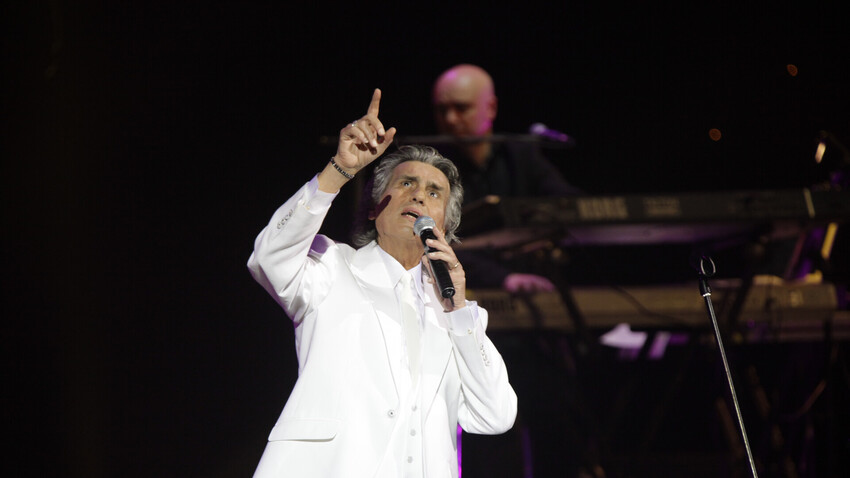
465 107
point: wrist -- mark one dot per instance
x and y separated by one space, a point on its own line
347 173
330 179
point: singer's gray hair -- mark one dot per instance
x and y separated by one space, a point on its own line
380 181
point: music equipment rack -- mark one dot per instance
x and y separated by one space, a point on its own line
771 310
494 222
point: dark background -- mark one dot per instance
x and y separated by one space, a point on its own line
145 144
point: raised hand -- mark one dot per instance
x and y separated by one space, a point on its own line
363 140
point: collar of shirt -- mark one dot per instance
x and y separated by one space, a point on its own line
395 270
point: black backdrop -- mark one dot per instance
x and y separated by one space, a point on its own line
146 143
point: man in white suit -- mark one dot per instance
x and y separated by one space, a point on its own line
387 367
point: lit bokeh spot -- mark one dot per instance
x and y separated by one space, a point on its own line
821 149
792 69
714 134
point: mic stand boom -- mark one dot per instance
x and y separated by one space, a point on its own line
706 270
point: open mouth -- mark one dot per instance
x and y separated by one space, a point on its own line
411 214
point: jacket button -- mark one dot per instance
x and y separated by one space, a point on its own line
391 413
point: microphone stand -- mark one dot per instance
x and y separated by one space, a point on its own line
706 270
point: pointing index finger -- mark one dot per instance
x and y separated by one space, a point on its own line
375 103
374 106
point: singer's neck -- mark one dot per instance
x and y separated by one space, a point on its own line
407 252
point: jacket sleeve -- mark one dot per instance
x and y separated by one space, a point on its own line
286 253
488 402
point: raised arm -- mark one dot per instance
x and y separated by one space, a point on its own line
282 249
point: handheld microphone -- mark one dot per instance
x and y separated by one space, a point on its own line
424 228
540 129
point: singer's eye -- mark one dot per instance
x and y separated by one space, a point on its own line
434 194
406 183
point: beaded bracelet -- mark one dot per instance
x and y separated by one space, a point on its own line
341 171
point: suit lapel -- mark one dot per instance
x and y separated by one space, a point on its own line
370 273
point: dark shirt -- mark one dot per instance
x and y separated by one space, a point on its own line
516 169
513 170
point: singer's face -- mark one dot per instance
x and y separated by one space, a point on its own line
415 189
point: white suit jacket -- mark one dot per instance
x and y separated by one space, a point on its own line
342 411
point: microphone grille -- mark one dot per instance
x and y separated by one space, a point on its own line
422 223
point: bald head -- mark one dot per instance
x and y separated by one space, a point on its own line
464 101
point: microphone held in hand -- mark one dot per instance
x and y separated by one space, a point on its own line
424 228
